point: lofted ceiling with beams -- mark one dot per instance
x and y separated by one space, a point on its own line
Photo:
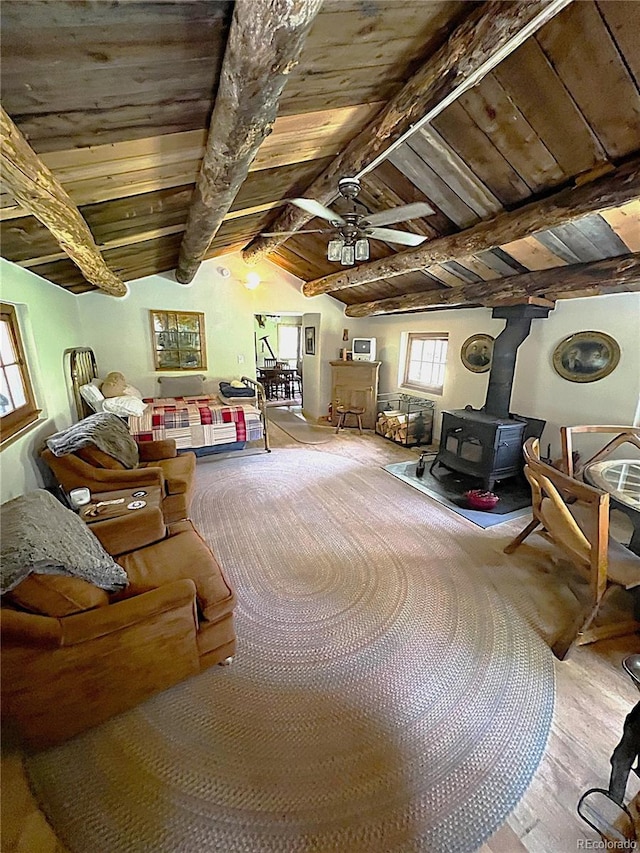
116 99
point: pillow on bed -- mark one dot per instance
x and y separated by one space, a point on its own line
231 391
124 406
114 384
181 386
92 396
130 391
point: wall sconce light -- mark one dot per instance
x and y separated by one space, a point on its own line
252 280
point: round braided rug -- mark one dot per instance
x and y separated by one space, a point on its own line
384 697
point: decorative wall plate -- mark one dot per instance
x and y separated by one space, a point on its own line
586 356
476 353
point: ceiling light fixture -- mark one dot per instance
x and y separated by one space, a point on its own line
252 280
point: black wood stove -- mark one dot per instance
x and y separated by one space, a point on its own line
487 443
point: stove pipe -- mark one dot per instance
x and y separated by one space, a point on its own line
505 352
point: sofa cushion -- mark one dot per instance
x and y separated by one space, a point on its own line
92 455
178 472
56 595
182 555
40 535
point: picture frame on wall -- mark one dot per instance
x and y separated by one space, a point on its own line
309 340
476 353
586 356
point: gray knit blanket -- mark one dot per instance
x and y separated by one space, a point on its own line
40 535
108 432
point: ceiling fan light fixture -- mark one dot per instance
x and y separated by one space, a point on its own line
362 249
348 255
334 250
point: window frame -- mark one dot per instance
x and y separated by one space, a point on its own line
162 316
14 422
412 384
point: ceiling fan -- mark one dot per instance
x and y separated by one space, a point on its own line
353 227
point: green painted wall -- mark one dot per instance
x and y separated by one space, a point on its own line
50 323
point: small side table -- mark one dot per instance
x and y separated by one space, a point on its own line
343 412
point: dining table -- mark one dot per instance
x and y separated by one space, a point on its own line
620 478
278 379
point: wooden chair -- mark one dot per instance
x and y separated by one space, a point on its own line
621 435
575 518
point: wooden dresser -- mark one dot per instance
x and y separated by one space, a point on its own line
355 383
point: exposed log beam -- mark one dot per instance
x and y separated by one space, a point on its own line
590 279
611 190
264 44
42 195
484 39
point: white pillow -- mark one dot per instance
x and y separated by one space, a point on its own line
131 391
124 406
92 396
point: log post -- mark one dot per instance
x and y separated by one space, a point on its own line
488 35
264 44
612 190
589 279
42 195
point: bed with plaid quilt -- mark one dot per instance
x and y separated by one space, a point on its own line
196 422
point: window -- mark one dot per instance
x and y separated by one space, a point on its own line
178 340
426 361
288 342
17 403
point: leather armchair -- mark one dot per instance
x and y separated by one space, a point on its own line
159 465
68 668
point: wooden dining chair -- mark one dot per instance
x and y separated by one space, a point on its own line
620 435
575 517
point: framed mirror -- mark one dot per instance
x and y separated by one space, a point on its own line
178 340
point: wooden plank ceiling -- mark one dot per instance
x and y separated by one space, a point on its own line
116 98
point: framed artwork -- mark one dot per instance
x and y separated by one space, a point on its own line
586 356
309 340
476 353
178 340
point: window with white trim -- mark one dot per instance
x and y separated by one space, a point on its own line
17 402
288 342
426 361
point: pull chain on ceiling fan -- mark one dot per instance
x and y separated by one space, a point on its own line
353 228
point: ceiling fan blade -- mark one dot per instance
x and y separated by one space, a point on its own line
400 214
390 235
291 233
317 209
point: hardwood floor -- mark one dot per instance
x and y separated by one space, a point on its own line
593 696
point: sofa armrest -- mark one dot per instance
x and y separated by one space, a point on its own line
153 451
92 624
126 478
130 532
28 629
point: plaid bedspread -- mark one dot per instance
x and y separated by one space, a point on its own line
196 422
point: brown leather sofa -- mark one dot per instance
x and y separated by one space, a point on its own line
73 655
159 465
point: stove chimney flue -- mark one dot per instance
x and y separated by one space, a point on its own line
505 352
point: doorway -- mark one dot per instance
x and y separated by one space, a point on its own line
278 351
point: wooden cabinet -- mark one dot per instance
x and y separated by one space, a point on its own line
355 383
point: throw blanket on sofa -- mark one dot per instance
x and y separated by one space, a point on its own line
108 432
40 535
